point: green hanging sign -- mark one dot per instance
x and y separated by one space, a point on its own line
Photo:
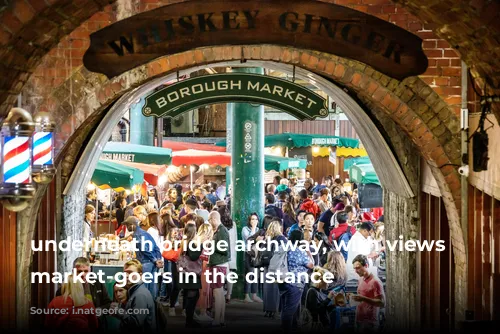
193 93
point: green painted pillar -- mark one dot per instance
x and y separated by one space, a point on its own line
142 128
247 179
229 122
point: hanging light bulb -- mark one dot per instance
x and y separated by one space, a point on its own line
16 188
43 149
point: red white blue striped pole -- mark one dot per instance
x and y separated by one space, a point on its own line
16 188
43 149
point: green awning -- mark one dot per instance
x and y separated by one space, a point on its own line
114 175
277 163
363 174
305 140
356 161
137 153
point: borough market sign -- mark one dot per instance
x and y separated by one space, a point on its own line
185 95
311 25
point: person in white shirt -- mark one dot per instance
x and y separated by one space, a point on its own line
361 244
155 228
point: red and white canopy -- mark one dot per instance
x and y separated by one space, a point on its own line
198 157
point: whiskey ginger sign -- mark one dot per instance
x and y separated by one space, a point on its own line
310 25
185 95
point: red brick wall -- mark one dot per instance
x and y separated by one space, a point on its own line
443 74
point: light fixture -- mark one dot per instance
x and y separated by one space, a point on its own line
315 149
192 168
16 188
162 179
91 187
172 169
43 149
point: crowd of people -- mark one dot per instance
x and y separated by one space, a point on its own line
321 214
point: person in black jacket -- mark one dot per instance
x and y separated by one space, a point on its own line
120 205
95 291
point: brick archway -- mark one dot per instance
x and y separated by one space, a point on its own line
418 111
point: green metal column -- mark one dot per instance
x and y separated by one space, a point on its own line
247 179
229 122
142 129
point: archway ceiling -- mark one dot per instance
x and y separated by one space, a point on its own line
470 27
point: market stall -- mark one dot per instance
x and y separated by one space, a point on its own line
369 189
322 152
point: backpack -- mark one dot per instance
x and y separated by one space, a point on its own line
345 237
306 322
279 262
263 258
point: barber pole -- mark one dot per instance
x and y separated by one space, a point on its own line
17 160
16 188
42 149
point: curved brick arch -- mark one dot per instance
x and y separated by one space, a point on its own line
411 104
30 28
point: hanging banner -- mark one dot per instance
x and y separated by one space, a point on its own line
308 25
193 93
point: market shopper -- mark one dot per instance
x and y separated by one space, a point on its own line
219 262
299 225
299 262
147 253
361 244
120 205
79 310
87 222
250 229
205 233
95 292
190 285
143 319
370 295
289 217
323 202
271 292
308 204
270 208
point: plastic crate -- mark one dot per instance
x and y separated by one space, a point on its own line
343 317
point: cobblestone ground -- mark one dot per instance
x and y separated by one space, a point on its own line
240 317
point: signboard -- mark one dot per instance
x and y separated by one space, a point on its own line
370 195
309 25
301 153
185 95
333 155
118 156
